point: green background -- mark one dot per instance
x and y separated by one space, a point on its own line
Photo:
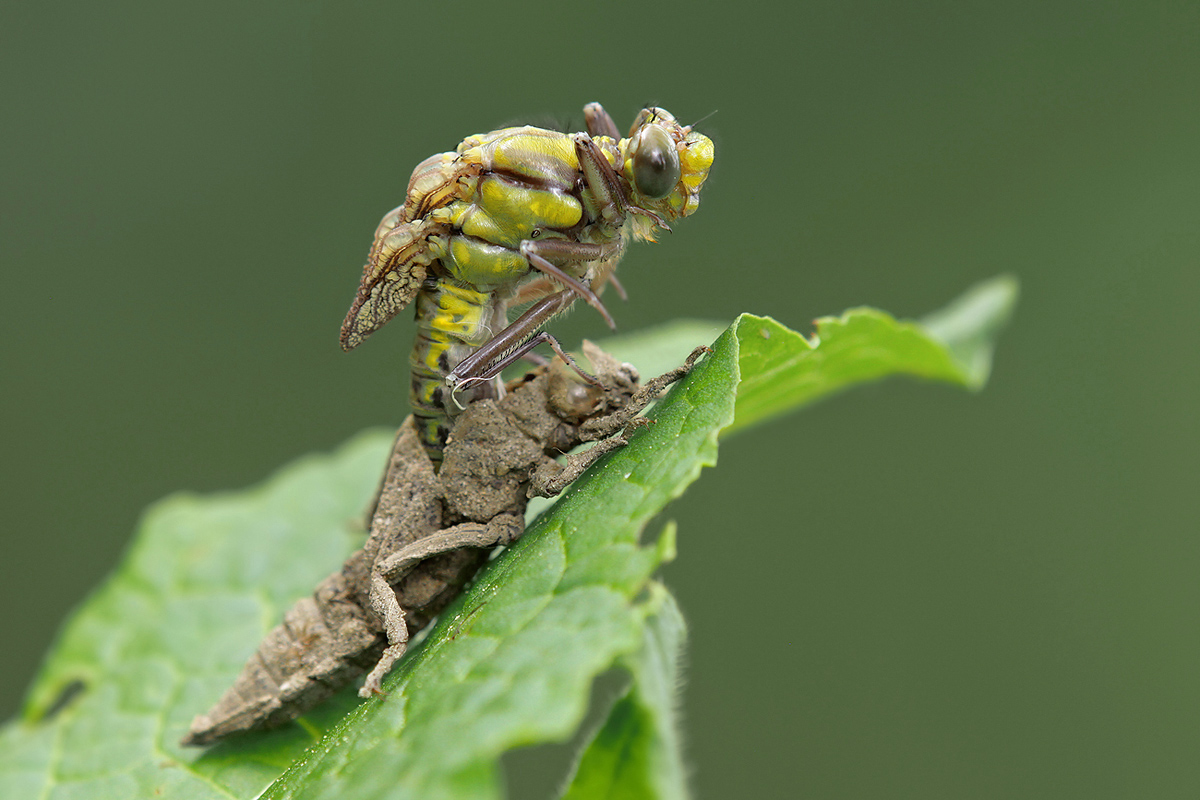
908 591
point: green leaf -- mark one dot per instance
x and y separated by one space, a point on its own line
203 580
783 370
636 752
509 665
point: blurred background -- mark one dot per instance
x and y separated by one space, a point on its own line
908 591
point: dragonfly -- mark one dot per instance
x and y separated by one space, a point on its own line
520 216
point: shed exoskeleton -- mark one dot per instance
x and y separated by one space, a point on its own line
428 535
519 215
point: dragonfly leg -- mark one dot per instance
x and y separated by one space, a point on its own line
552 477
536 359
539 252
599 123
522 350
504 529
603 274
515 341
611 277
602 180
383 601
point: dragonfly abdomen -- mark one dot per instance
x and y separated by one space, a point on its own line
452 321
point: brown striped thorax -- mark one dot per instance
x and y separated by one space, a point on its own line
517 216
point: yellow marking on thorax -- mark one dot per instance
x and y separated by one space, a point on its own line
482 264
516 152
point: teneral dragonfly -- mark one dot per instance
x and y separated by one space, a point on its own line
519 215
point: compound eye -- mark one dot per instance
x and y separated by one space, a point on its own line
655 162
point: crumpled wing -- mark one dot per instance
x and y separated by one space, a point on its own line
393 274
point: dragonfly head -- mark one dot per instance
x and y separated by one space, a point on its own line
665 163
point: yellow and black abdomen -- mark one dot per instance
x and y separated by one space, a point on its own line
452 321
